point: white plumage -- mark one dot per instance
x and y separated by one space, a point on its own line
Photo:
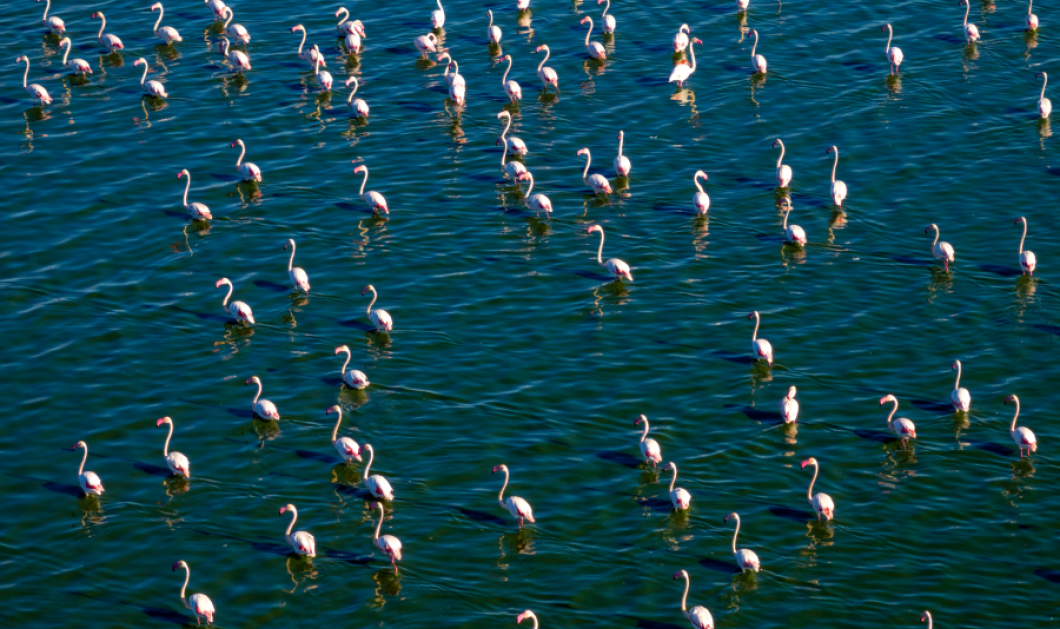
745 558
941 250
178 463
596 181
77 66
373 199
299 278
616 268
151 88
679 497
649 448
353 378
390 545
235 31
238 309
700 200
197 211
302 542
789 407
346 447
380 318
248 170
961 398
357 105
167 34
90 483
537 201
822 502
519 508
376 485
761 348
902 428
1028 261
1024 438
784 173
262 408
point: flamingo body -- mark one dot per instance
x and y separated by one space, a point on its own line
760 348
197 211
302 542
1024 438
537 201
36 92
789 407
519 508
438 16
426 44
616 268
263 408
679 497
683 69
89 481
77 66
217 7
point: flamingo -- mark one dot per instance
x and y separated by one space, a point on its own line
167 34
514 169
197 211
617 268
299 278
700 199
894 55
971 33
217 7
380 318
426 44
519 508
152 87
537 202
757 61
1028 261
622 163
390 545
310 55
1032 19
961 398
353 41
455 78
302 542
248 170
178 463
760 348
838 189
681 38
373 199
493 32
376 485
793 234
353 378
741 5
679 497
597 182
324 79
513 143
548 76
108 41
649 448
699 616
346 447
511 88
53 24
526 614
36 92
941 250
822 502
682 70
92 486
457 88
746 559
264 409
901 427
348 28
927 616
789 407
596 49
358 106
199 604
1045 106
1024 438
238 309
522 5
438 17
607 20
784 173
77 66
235 31
239 59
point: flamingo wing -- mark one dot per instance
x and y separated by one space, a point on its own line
681 72
93 485
198 210
520 508
267 410
377 201
304 543
701 618
391 546
380 487
203 606
702 202
179 464
748 560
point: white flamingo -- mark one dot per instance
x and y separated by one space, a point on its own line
683 70
745 558
90 483
235 31
971 33
596 181
238 309
493 32
380 318
358 106
741 5
615 267
151 88
1028 261
248 170
353 41
376 485
960 397
239 59
438 16
345 27
264 409
1024 438
902 427
513 143
324 79
108 41
622 163
1031 21
514 169
679 496
77 66
757 61
217 7
390 545
838 191
299 278
199 604
167 34
760 348
454 78
346 447
793 234
941 250
822 502
54 24
36 92
426 44
302 542
353 378
511 88
699 616
681 38
548 76
894 55
311 55
700 199
649 448
789 407
197 211
519 508
784 173
1045 106
594 48
522 5
608 21
537 201
178 463
372 198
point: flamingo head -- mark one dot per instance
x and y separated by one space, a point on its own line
287 507
64 41
164 420
809 461
700 173
97 15
290 241
671 466
930 227
540 48
583 152
730 516
791 392
586 19
140 61
503 114
157 5
336 408
956 365
523 616
79 444
696 40
502 468
752 315
887 398
221 282
829 150
352 79
1012 398
360 169
342 348
20 58
179 564
884 27
679 574
1020 220
366 289
297 27
924 617
775 143
1035 76
640 418
252 380
339 12
594 228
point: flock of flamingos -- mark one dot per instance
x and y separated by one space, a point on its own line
353 32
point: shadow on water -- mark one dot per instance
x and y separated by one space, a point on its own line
596 277
1049 329
363 209
146 468
155 613
933 407
206 316
348 557
1003 271
238 412
651 624
59 488
723 567
482 516
769 417
279 288
993 448
225 177
739 359
673 209
357 325
795 515
908 260
1050 575
621 458
269 547
950 39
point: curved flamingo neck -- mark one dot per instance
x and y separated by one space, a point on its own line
787 212
957 383
934 244
143 79
504 133
754 46
302 44
534 618
967 8
589 34
371 457
735 533
349 357
363 184
1030 5
335 432
695 180
780 160
70 44
548 53
754 335
500 496
931 623
375 296
103 25
290 263
84 457
692 53
607 7
48 6
809 492
491 19
161 12
165 448
242 152
684 599
1012 428
456 66
356 85
531 175
228 11
504 79
1021 252
890 34
184 588
259 392
294 518
25 77
224 46
673 481
345 15
379 527
835 164
230 287
588 161
600 254
894 409
645 435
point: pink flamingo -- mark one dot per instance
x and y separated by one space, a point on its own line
757 61
346 447
390 545
961 398
971 33
595 49
519 508
760 348
615 267
380 318
681 38
927 616
1045 106
353 42
199 604
622 163
746 559
683 70
649 448
741 5
151 88
789 407
248 170
77 66
302 542
167 34
700 199
197 211
511 88
522 5
514 169
455 78
513 143
238 309
1031 21
348 28
239 59
358 106
236 31
793 234
217 7
1028 261
784 173
894 55
822 502
36 92
901 427
526 614
178 463
607 20
310 55
596 181
548 76
373 199
679 497
299 278
838 190
53 24
108 41
493 32
90 483
324 79
438 16
699 616
263 408
353 378
426 44
1024 438
537 201
376 485
940 250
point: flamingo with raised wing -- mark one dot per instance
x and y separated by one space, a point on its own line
679 496
746 559
595 49
263 408
353 378
199 604
346 447
358 106
596 181
376 485
239 59
89 481
838 190
1045 106
248 170
649 448
77 66
616 268
54 24
699 616
493 32
302 542
108 41
902 427
380 318
960 397
236 31
151 88
178 463
971 32
789 407
36 92
607 21
758 62
622 163
238 309
167 34
894 55
1028 261
197 211
682 71
1024 438
372 198
940 250
548 76
700 200
822 502
761 349
299 278
784 173
312 54
511 88
519 508
390 545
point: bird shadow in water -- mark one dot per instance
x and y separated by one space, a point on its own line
672 209
719 566
1003 271
621 458
482 516
59 488
238 412
993 448
1050 329
146 468
206 316
916 261
1050 575
758 415
363 209
652 624
739 359
795 515
265 547
348 557
279 288
932 407
357 325
596 277
155 613
862 67
950 39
